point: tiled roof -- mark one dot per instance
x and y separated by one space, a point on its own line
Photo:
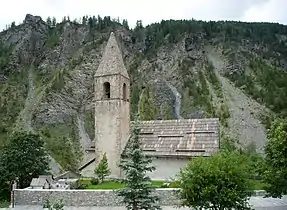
38 182
186 137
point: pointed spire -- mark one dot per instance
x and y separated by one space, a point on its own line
112 60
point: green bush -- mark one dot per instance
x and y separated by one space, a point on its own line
95 181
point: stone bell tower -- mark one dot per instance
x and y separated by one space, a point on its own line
112 106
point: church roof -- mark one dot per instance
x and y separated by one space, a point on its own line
177 138
181 138
185 137
112 60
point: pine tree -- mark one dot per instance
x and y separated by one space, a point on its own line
84 20
137 193
49 22
54 22
103 170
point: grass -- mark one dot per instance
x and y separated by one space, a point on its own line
4 204
117 185
257 185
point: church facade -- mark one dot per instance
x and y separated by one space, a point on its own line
171 143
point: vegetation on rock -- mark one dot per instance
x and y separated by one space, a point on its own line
147 108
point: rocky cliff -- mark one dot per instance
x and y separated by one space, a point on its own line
193 69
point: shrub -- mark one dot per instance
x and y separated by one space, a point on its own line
95 181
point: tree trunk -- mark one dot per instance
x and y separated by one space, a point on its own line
135 206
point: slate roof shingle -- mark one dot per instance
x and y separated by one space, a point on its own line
185 137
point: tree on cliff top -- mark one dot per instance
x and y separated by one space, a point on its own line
138 191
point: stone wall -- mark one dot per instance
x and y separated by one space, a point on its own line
84 197
91 197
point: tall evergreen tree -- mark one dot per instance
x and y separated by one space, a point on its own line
54 22
49 21
84 20
137 193
125 24
103 168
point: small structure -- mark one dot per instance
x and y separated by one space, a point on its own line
67 180
40 183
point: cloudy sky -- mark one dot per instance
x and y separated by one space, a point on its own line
148 10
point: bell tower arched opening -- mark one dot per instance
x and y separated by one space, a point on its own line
125 92
107 90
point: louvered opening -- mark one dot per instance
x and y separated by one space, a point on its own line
190 150
146 133
170 136
195 132
149 150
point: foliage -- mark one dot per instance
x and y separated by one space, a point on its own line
4 203
223 114
102 169
137 193
197 89
61 140
227 32
212 78
227 143
167 112
95 181
147 107
275 170
57 205
12 98
218 182
23 158
53 37
5 52
265 83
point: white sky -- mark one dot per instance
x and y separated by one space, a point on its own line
148 11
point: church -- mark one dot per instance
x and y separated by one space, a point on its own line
171 143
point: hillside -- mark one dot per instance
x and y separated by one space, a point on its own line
192 69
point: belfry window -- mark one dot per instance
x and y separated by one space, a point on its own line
107 90
124 91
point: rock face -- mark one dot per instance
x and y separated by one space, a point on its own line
47 79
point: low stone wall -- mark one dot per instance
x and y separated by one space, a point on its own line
85 197
91 197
